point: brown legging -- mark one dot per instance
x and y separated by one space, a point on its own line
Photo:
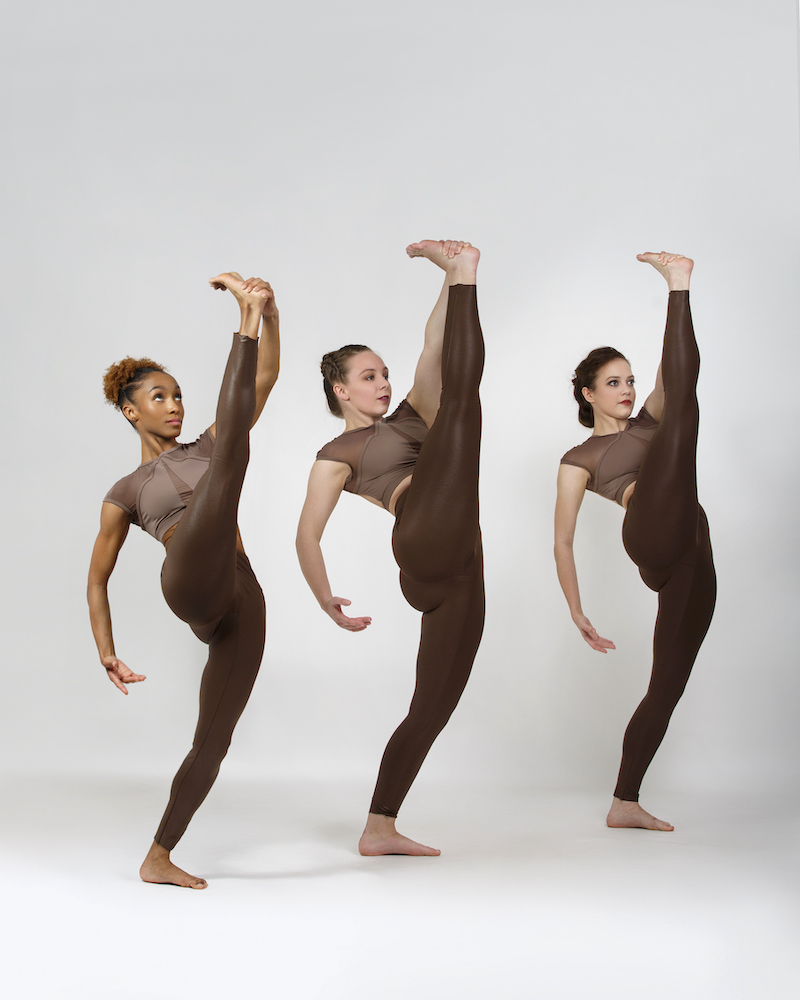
665 532
437 546
211 586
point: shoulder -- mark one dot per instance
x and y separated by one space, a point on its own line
203 447
411 420
405 411
579 455
124 492
643 419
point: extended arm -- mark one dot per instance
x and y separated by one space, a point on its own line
427 389
324 489
571 488
257 305
654 404
114 526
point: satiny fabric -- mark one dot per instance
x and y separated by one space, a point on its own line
155 496
665 532
613 460
437 545
380 456
211 586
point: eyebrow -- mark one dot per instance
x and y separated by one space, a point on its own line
365 370
163 388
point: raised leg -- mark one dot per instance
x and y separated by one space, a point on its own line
661 519
199 572
435 538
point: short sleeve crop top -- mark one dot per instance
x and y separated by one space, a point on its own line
613 460
156 494
380 456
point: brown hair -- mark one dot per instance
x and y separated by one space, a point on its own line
122 380
334 368
586 377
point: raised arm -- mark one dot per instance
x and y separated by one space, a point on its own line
654 404
257 306
325 486
114 526
572 482
427 389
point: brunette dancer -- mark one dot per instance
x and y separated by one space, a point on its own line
187 497
420 464
647 464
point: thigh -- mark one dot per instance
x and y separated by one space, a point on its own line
685 606
198 578
236 646
452 625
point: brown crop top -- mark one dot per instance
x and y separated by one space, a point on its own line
380 456
156 494
613 460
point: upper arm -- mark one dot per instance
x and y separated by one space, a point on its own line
325 485
426 392
654 404
114 525
571 487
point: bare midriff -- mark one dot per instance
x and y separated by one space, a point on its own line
628 494
401 488
170 531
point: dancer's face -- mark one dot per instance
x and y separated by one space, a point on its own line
614 393
157 406
366 390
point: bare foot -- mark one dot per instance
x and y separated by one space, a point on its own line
676 269
157 867
630 815
381 837
459 259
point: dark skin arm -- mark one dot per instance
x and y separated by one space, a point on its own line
257 303
114 526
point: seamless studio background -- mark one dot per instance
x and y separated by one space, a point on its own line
156 144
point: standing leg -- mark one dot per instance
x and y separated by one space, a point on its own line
235 650
685 606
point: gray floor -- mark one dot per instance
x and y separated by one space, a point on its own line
532 897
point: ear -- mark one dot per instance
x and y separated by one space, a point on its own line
130 412
340 391
588 395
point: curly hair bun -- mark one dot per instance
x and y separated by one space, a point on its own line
123 378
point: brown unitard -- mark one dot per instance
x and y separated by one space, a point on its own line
209 584
665 532
436 542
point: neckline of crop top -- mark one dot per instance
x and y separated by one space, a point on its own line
155 496
381 455
613 460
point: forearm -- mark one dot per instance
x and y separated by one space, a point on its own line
100 618
312 564
250 320
568 577
268 364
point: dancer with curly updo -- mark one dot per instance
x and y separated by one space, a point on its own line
646 463
187 496
420 464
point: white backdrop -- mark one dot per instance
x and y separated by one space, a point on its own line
156 145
